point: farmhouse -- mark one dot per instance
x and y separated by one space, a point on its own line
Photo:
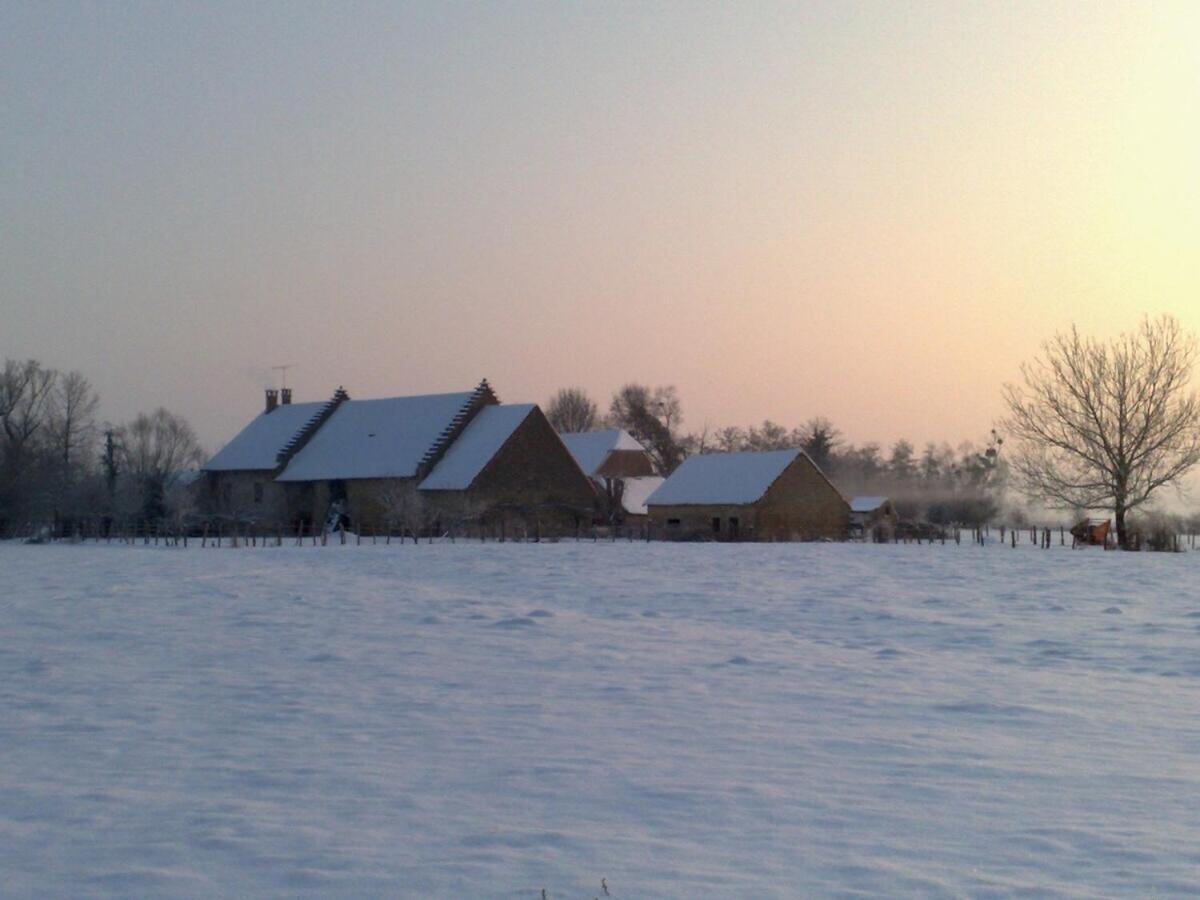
873 517
420 462
775 496
239 481
621 469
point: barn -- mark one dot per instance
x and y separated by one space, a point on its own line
621 469
774 496
417 463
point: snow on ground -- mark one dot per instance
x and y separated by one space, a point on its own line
683 720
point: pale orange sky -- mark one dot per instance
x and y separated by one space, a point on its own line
871 213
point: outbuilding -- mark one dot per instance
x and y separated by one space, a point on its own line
621 470
775 496
873 518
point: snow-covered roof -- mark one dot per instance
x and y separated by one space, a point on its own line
375 438
866 504
633 497
476 446
256 445
591 448
722 478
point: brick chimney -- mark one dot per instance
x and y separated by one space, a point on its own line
285 396
272 399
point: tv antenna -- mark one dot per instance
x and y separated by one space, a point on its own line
283 373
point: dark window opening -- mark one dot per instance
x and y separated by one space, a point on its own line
716 524
672 521
734 525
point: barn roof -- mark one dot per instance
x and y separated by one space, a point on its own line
591 448
256 445
476 446
866 504
635 492
375 438
720 478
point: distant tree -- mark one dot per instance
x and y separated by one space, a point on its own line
653 417
25 393
153 449
1106 425
901 463
930 465
819 439
73 405
983 469
571 410
697 443
729 440
864 463
768 436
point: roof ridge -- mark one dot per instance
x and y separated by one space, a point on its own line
304 435
482 396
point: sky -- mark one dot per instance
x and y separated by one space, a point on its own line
869 212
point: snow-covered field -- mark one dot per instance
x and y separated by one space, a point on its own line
682 720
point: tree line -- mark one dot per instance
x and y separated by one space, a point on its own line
1095 425
60 463
942 484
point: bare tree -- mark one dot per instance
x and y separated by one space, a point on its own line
769 436
571 410
72 421
729 439
1105 425
25 391
153 449
653 417
404 508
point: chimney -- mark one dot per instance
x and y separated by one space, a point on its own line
285 396
272 399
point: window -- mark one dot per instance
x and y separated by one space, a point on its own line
672 521
258 492
716 524
734 525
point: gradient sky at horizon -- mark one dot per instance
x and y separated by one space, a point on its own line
871 212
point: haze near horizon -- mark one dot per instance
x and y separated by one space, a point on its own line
872 213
